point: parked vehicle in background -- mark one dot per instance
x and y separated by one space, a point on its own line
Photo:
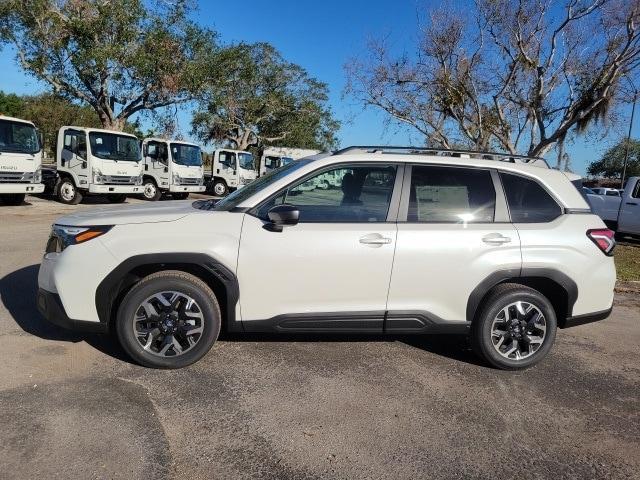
498 247
230 170
276 157
173 167
20 160
620 212
98 162
611 192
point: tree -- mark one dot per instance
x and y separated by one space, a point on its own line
610 165
11 104
118 56
521 76
256 98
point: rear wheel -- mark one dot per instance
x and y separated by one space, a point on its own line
170 319
13 199
515 329
119 198
67 192
150 190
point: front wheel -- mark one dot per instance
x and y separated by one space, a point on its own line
220 188
68 193
119 198
150 191
13 199
170 319
515 329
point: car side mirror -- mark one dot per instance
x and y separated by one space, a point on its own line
282 216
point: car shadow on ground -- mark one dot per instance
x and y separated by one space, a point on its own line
18 292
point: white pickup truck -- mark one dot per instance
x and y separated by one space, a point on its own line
622 213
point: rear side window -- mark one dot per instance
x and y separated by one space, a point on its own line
451 195
528 201
636 190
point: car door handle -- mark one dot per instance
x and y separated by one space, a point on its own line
632 203
375 239
495 239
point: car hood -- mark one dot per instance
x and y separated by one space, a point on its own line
122 215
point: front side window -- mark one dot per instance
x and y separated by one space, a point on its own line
246 161
18 137
188 155
111 146
346 194
157 151
528 201
451 195
272 162
228 159
76 142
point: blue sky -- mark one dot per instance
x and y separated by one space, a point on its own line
321 36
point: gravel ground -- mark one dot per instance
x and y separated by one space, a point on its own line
73 406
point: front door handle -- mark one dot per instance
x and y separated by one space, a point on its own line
496 239
632 203
375 239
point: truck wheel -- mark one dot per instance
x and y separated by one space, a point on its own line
150 191
169 319
515 328
220 188
180 195
68 193
13 199
119 198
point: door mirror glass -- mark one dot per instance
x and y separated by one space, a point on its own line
283 215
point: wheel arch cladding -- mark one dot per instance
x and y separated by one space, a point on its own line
559 289
218 277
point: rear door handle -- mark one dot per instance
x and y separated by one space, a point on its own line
632 203
375 239
496 239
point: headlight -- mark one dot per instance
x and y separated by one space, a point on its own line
37 176
63 236
176 179
97 176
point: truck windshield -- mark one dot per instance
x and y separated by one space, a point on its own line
246 161
18 137
184 154
242 194
111 146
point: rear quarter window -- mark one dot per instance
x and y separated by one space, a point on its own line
528 201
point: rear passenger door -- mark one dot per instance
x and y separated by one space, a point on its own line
453 233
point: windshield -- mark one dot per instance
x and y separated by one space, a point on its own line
246 161
188 155
240 195
18 137
111 146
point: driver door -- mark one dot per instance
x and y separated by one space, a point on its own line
74 154
331 271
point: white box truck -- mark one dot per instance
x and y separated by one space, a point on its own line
173 167
230 170
95 161
276 157
20 160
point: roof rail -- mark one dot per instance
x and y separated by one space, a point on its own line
444 152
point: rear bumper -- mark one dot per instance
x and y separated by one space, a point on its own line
115 189
187 188
50 306
11 188
587 318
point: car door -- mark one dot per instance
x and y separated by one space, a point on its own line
74 154
331 271
629 221
453 234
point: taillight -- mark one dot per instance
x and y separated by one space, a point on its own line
604 239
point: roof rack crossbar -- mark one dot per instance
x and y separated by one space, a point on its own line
444 152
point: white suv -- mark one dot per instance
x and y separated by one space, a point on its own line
401 242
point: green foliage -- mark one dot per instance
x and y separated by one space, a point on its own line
11 104
255 98
611 163
118 56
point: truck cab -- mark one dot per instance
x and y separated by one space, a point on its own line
98 162
173 167
20 160
230 170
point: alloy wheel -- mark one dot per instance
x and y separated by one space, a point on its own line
518 330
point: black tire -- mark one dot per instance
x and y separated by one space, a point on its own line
173 281
150 190
180 195
67 192
13 199
220 188
499 298
118 198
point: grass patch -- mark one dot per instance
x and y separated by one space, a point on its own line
627 258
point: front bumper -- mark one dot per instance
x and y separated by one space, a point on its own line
10 188
50 306
115 189
187 188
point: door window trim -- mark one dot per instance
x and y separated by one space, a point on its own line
501 209
394 202
563 209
